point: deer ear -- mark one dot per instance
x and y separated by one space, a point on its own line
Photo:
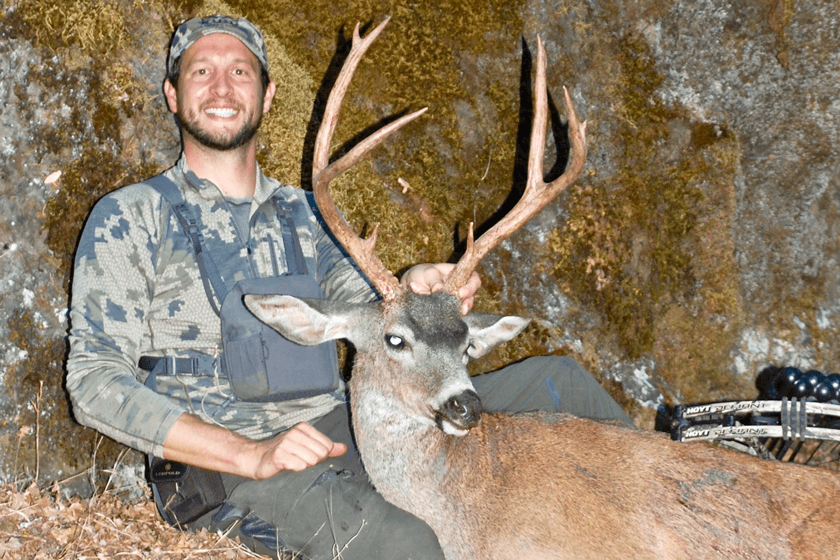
488 331
306 322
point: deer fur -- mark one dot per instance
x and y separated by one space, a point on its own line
532 486
544 485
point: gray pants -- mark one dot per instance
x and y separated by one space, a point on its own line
332 507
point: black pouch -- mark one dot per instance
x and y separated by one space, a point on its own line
260 364
184 493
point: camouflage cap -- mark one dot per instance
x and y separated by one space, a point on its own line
194 29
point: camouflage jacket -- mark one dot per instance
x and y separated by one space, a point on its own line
137 292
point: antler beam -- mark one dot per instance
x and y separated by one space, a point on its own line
537 193
362 250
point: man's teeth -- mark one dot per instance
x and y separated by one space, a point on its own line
221 112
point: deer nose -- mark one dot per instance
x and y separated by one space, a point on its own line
463 410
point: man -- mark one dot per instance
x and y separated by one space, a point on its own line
145 366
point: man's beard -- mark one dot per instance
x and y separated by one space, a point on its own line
220 141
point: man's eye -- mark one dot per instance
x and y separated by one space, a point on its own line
395 341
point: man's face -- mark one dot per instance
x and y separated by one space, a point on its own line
220 99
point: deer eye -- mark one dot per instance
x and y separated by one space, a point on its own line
395 341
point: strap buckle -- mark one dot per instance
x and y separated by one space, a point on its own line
170 366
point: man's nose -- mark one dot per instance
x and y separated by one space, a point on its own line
221 84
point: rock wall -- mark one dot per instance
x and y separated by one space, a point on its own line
697 248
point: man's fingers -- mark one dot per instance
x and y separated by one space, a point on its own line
471 287
338 450
318 442
419 288
292 456
309 432
429 278
298 457
309 438
300 447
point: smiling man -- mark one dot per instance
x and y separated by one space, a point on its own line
219 90
246 432
231 106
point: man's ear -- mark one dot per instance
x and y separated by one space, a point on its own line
171 95
269 96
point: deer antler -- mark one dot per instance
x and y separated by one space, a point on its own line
537 192
362 250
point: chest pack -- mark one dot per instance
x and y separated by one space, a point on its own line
259 363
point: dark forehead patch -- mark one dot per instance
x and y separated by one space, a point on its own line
436 319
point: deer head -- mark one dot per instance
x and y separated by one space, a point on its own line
412 349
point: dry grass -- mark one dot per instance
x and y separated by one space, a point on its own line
38 524
119 522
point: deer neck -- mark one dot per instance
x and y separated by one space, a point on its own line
396 448
409 463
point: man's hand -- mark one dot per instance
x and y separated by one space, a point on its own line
294 450
428 279
195 442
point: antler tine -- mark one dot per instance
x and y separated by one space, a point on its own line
323 172
537 193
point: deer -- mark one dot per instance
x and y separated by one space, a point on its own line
533 485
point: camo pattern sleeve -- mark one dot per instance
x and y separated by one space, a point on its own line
111 299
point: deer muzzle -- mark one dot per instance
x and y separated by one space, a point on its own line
459 413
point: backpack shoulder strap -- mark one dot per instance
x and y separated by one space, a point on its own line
210 276
295 263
